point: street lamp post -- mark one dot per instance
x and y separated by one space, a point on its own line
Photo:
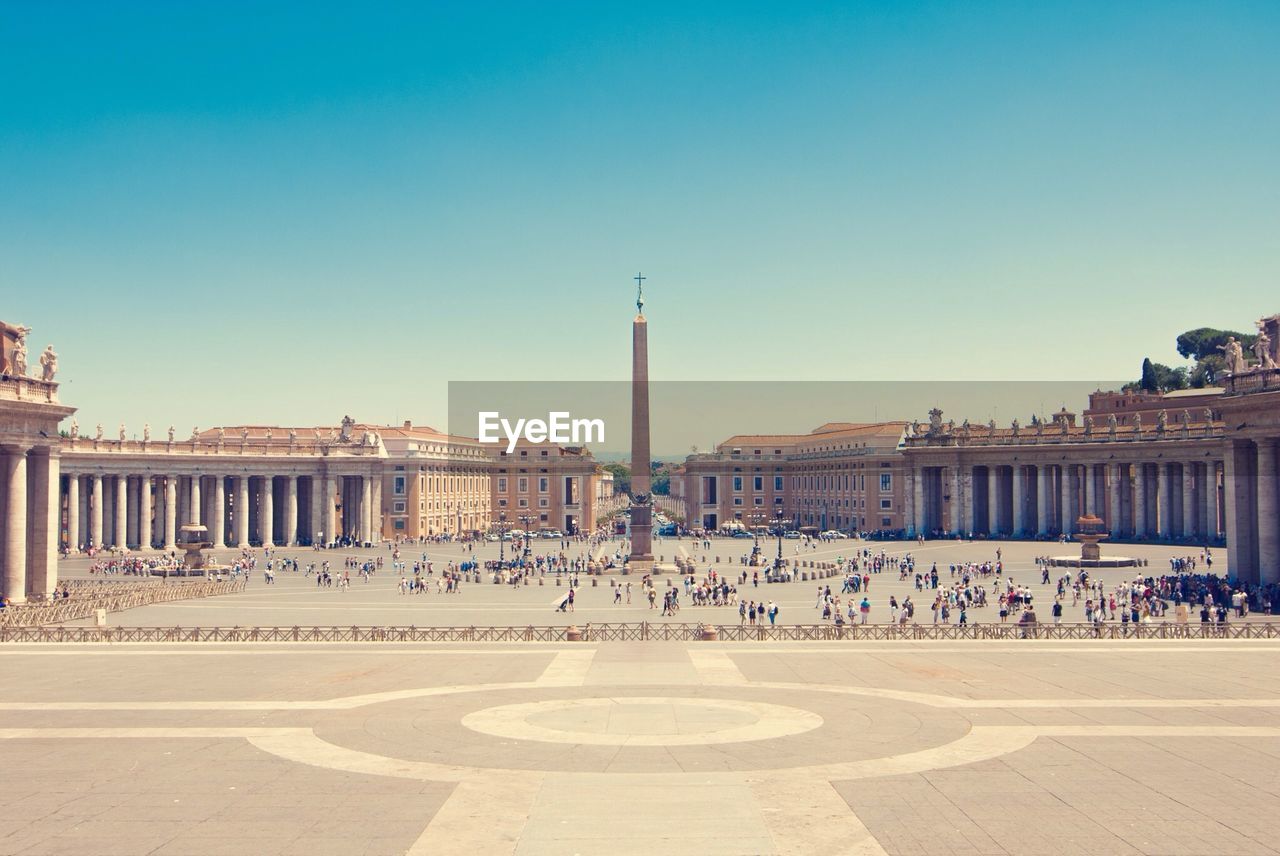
779 520
527 520
502 533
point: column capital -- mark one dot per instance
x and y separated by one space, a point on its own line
15 448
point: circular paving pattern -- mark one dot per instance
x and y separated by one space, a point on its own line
642 721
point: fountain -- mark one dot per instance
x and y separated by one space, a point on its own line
193 538
1090 530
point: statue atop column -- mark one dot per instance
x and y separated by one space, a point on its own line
48 364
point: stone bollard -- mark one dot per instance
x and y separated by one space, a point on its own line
709 633
595 581
557 581
526 580
539 580
804 578
572 633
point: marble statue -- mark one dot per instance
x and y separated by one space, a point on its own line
75 429
122 432
48 364
1262 349
222 433
1234 355
268 435
1088 425
1208 415
293 436
1162 422
1111 425
1016 428
991 427
195 432
244 435
1137 424
146 432
98 433
171 433
1039 423
20 353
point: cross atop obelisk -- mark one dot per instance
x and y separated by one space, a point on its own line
641 509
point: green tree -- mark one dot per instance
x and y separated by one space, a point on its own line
1204 342
621 477
1148 382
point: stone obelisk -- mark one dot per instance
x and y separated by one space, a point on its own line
641 559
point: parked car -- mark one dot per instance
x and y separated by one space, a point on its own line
792 535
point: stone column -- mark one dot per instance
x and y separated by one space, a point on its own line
970 520
330 508
1189 514
1090 491
45 530
1207 499
917 496
1240 512
122 512
1113 500
993 500
144 512
242 511
73 513
366 508
194 504
1140 500
316 520
170 513
14 580
95 512
218 513
1066 511
131 534
290 512
1268 524
1019 522
1042 499
267 512
375 510
1164 499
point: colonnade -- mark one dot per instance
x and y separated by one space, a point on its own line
1164 499
137 511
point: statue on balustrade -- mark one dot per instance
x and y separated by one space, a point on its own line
20 352
146 432
1088 425
1233 353
172 432
1111 425
97 435
1162 422
48 364
123 435
1262 349
75 430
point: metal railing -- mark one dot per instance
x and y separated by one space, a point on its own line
645 631
87 600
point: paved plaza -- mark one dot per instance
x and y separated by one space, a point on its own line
621 748
295 599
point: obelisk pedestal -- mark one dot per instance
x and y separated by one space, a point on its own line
641 510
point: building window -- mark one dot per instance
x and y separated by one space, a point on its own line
886 482
522 484
398 507
886 504
397 485
737 500
502 503
522 503
759 500
543 484
886 521
777 482
543 502
777 500
737 484
399 524
502 484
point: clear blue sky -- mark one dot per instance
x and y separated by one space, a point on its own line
306 210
